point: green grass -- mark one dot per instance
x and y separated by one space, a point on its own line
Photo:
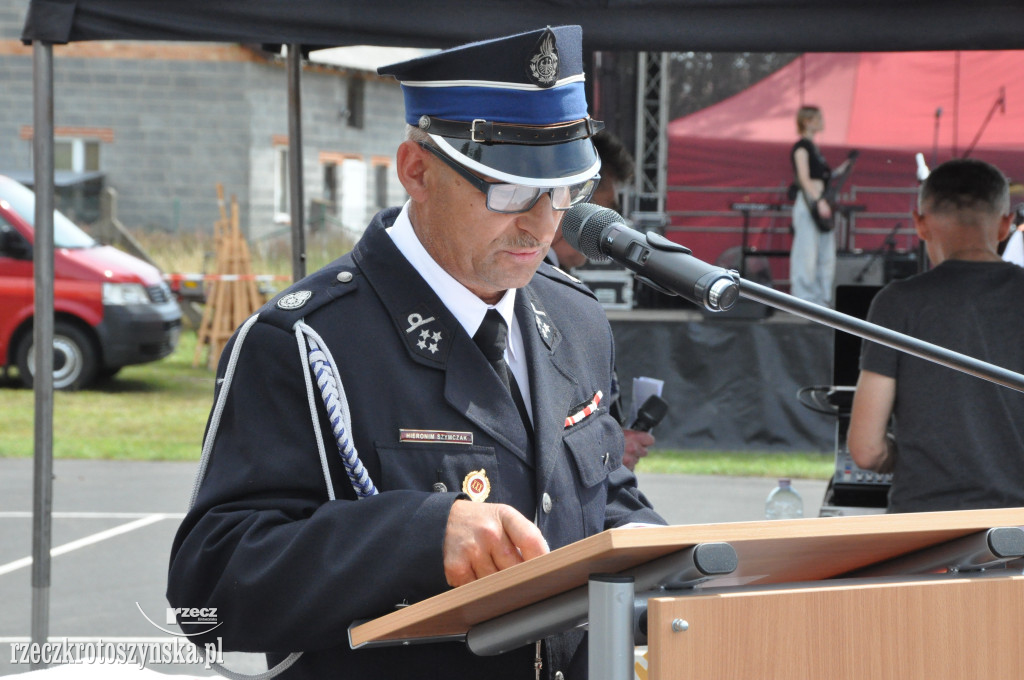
158 411
153 411
793 464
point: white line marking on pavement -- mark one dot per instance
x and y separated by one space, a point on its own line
88 540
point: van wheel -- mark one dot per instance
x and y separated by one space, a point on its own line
74 358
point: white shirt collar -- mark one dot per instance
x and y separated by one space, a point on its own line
464 305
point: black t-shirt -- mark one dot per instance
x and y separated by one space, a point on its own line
817 166
960 438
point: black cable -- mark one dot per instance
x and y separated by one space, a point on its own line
817 405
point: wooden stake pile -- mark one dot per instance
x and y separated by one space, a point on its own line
232 297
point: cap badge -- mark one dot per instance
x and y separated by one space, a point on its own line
477 485
543 65
294 300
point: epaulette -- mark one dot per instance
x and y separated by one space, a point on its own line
565 278
311 293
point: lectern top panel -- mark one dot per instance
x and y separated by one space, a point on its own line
779 551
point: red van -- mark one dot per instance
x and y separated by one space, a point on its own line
110 309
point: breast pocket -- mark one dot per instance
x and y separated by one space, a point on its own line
595 446
438 467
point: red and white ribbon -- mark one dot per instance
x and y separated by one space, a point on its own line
585 411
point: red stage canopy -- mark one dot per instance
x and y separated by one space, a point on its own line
888 105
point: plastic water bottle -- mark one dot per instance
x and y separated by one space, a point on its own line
783 502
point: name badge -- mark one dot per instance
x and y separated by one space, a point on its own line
434 437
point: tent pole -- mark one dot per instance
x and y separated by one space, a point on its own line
295 160
42 337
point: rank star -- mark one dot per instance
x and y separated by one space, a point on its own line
433 348
424 334
544 328
421 344
437 336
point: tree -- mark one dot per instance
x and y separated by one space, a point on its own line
700 79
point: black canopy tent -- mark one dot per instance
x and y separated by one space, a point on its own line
647 25
629 25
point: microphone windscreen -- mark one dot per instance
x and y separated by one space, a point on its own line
582 227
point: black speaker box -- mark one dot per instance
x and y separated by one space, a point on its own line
861 269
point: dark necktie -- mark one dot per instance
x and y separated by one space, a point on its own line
492 339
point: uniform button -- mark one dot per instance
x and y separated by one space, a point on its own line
559 676
440 487
545 505
344 277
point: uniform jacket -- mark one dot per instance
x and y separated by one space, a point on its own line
288 569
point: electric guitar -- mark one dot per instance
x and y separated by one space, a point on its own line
831 195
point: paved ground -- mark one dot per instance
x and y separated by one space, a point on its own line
113 524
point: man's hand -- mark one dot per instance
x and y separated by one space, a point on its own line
636 446
482 538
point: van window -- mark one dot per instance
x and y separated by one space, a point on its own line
23 202
12 243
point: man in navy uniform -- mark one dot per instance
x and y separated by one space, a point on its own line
466 431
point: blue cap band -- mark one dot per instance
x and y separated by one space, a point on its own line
559 104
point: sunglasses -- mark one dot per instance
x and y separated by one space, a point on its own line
516 198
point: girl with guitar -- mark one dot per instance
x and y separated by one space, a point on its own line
812 258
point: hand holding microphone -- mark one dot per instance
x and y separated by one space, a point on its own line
649 414
638 435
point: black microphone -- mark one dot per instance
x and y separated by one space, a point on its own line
600 233
649 414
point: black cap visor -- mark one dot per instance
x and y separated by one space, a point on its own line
550 165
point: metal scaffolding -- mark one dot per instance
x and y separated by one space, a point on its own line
651 139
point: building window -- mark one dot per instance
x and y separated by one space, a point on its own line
282 190
356 106
76 155
380 174
75 148
331 187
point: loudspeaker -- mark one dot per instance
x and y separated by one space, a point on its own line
863 269
900 266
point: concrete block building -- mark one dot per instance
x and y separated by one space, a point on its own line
163 123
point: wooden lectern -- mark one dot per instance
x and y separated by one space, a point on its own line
911 596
